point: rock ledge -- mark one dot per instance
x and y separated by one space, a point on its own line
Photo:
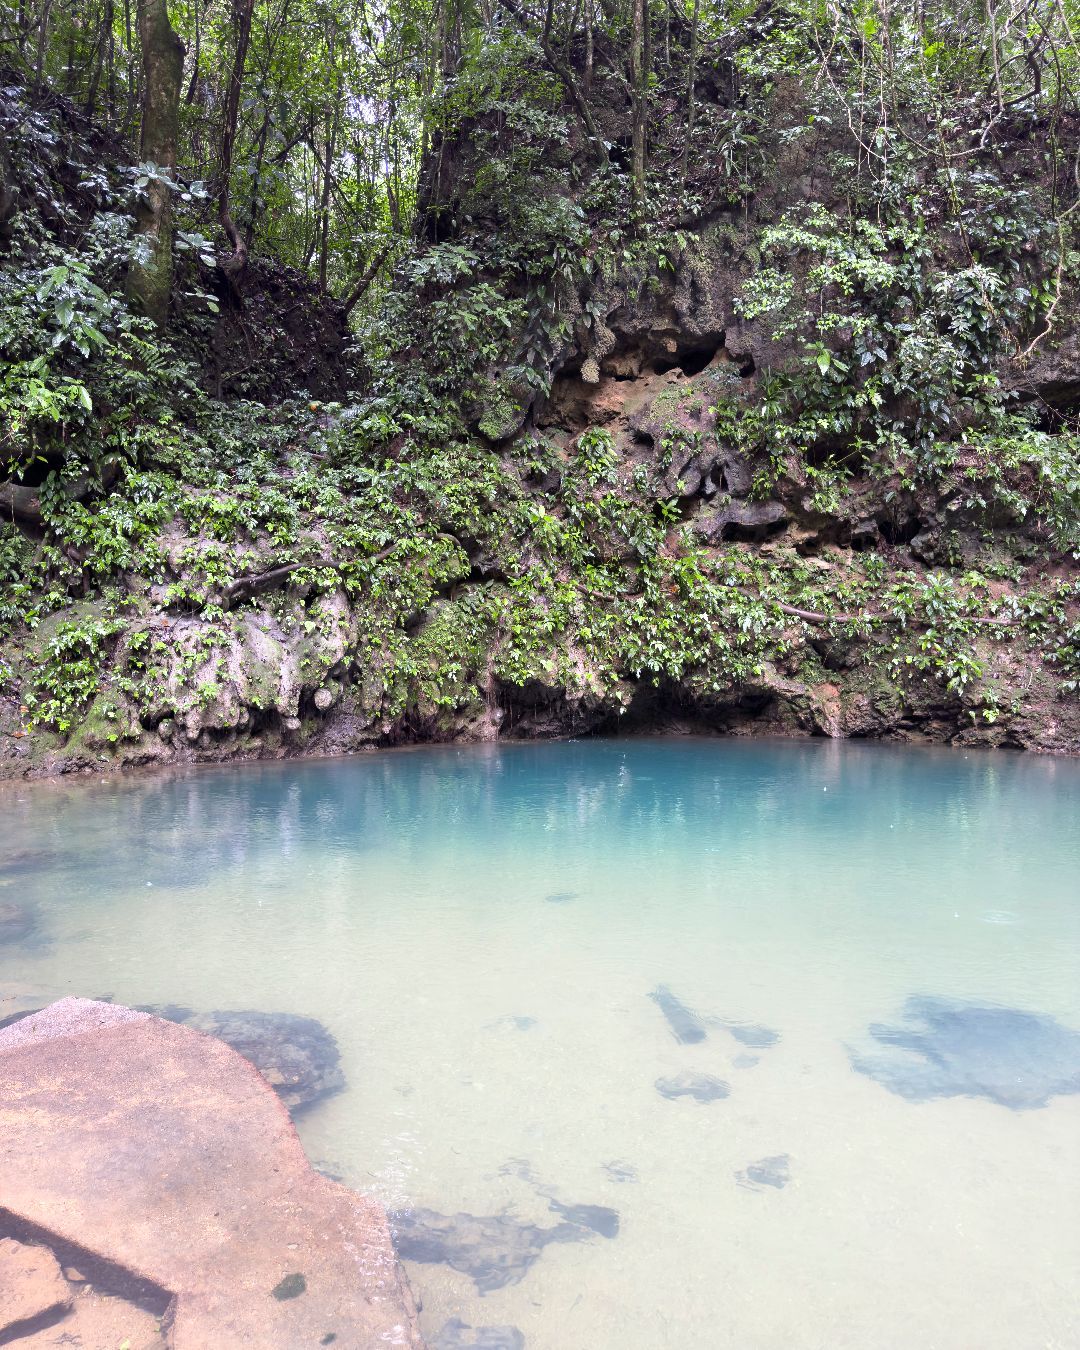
165 1155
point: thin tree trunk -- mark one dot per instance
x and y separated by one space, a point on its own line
234 265
569 82
149 280
587 74
369 275
22 27
71 64
134 89
691 77
97 65
110 60
639 78
324 203
193 82
9 196
42 44
256 179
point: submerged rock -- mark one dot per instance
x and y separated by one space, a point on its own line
750 1034
17 861
689 1027
296 1055
945 1048
17 922
512 1023
494 1249
596 1218
686 1026
600 1219
620 1172
458 1335
142 1143
560 897
703 1087
772 1171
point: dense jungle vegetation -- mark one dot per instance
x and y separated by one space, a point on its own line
391 369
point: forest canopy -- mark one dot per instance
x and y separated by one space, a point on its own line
311 130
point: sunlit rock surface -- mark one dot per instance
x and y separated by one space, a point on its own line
167 1155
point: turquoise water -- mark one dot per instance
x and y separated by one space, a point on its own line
481 930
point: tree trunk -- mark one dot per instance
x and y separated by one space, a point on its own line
639 82
256 178
691 78
194 81
569 83
149 280
234 265
370 273
9 197
43 43
587 74
324 202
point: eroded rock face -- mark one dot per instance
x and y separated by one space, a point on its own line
943 1048
33 1291
743 520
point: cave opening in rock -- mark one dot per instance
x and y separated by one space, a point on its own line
35 473
693 360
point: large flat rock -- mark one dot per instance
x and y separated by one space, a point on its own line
31 1287
163 1152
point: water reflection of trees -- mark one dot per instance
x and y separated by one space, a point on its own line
566 799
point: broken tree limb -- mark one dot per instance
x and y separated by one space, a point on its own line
816 617
245 587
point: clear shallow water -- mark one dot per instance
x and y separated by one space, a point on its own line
480 929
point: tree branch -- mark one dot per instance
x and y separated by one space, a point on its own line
569 81
245 587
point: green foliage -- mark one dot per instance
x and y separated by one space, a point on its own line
86 385
892 347
479 168
67 670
